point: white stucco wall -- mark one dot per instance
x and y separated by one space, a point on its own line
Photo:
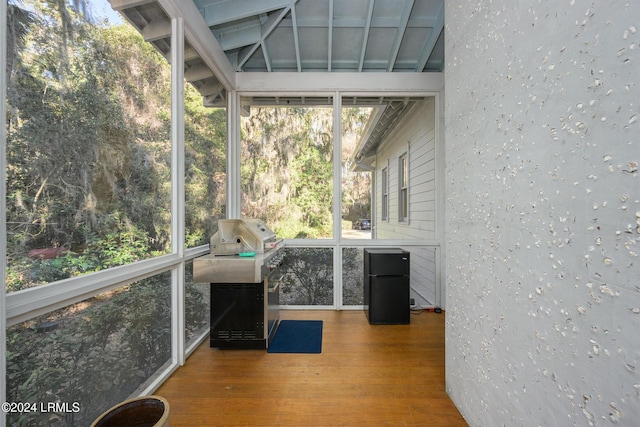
543 208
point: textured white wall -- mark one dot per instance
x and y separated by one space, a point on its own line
543 211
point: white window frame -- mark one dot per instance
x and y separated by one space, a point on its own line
385 194
403 187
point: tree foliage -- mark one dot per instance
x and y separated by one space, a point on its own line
287 170
308 278
95 353
88 170
88 147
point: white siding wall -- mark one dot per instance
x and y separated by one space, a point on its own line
423 275
415 135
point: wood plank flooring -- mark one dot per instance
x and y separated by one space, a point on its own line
366 375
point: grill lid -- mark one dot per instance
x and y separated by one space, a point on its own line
235 236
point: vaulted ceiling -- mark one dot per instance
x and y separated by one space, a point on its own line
226 36
328 35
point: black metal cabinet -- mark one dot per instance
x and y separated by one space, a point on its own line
386 285
245 315
237 315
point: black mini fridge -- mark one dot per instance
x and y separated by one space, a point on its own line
386 285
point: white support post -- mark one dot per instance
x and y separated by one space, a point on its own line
440 199
177 187
233 155
337 199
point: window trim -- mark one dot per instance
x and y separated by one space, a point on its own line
385 194
403 188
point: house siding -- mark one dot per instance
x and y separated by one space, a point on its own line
415 135
423 273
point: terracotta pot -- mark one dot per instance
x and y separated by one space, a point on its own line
143 411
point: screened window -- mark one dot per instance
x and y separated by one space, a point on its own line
287 170
307 277
352 285
197 303
205 134
96 353
401 158
87 147
356 183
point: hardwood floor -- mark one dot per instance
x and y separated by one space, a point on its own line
366 375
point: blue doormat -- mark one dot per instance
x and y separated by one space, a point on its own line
297 336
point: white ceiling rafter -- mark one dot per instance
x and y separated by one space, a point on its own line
431 41
233 10
327 35
190 54
330 36
127 4
267 29
197 72
265 53
296 39
402 28
242 36
156 30
349 39
211 88
365 36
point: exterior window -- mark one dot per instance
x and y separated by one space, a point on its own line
352 286
287 170
403 189
205 175
123 336
88 176
307 278
385 194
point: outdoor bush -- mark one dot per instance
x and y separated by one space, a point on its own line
97 352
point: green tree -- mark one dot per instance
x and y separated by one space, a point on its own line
205 168
308 278
87 145
88 169
19 21
287 170
96 353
